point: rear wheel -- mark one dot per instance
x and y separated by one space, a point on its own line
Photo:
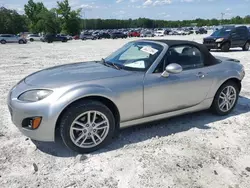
246 46
87 126
31 40
225 47
20 41
225 99
3 41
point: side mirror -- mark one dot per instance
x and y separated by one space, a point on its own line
172 68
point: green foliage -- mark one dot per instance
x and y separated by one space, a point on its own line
48 22
33 11
62 19
11 22
69 19
148 23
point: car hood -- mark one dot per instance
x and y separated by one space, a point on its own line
215 37
72 73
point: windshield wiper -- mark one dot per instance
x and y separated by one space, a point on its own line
110 64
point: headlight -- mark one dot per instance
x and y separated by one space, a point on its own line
219 40
34 95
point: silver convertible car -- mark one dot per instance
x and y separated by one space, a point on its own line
143 81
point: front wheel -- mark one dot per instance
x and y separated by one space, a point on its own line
21 42
225 99
3 42
87 126
225 47
246 46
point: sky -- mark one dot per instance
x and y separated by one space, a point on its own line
154 9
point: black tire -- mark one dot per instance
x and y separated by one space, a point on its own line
215 105
3 41
225 47
246 46
21 42
73 112
31 40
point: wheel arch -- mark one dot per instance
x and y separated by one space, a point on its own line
226 41
235 80
104 100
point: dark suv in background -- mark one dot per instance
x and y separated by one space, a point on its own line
227 38
201 31
117 35
52 37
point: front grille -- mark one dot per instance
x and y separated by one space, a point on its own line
209 41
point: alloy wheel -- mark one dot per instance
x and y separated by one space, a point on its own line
89 129
227 98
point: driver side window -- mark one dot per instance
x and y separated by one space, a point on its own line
188 56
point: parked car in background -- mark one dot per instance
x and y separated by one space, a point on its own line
76 37
134 34
173 32
103 35
117 35
159 33
87 36
87 103
180 32
33 37
52 38
201 31
147 34
67 36
10 38
188 32
225 39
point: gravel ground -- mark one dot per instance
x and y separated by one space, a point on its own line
198 150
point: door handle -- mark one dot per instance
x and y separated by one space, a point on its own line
200 74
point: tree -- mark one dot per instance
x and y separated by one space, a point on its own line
70 19
32 11
48 22
11 22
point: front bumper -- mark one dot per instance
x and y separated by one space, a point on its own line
215 45
20 110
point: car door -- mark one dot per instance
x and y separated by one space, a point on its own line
243 32
8 38
14 38
235 37
177 91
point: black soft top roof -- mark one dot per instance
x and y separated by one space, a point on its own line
209 59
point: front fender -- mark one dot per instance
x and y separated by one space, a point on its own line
70 95
76 93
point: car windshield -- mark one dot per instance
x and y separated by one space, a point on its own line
221 32
135 56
